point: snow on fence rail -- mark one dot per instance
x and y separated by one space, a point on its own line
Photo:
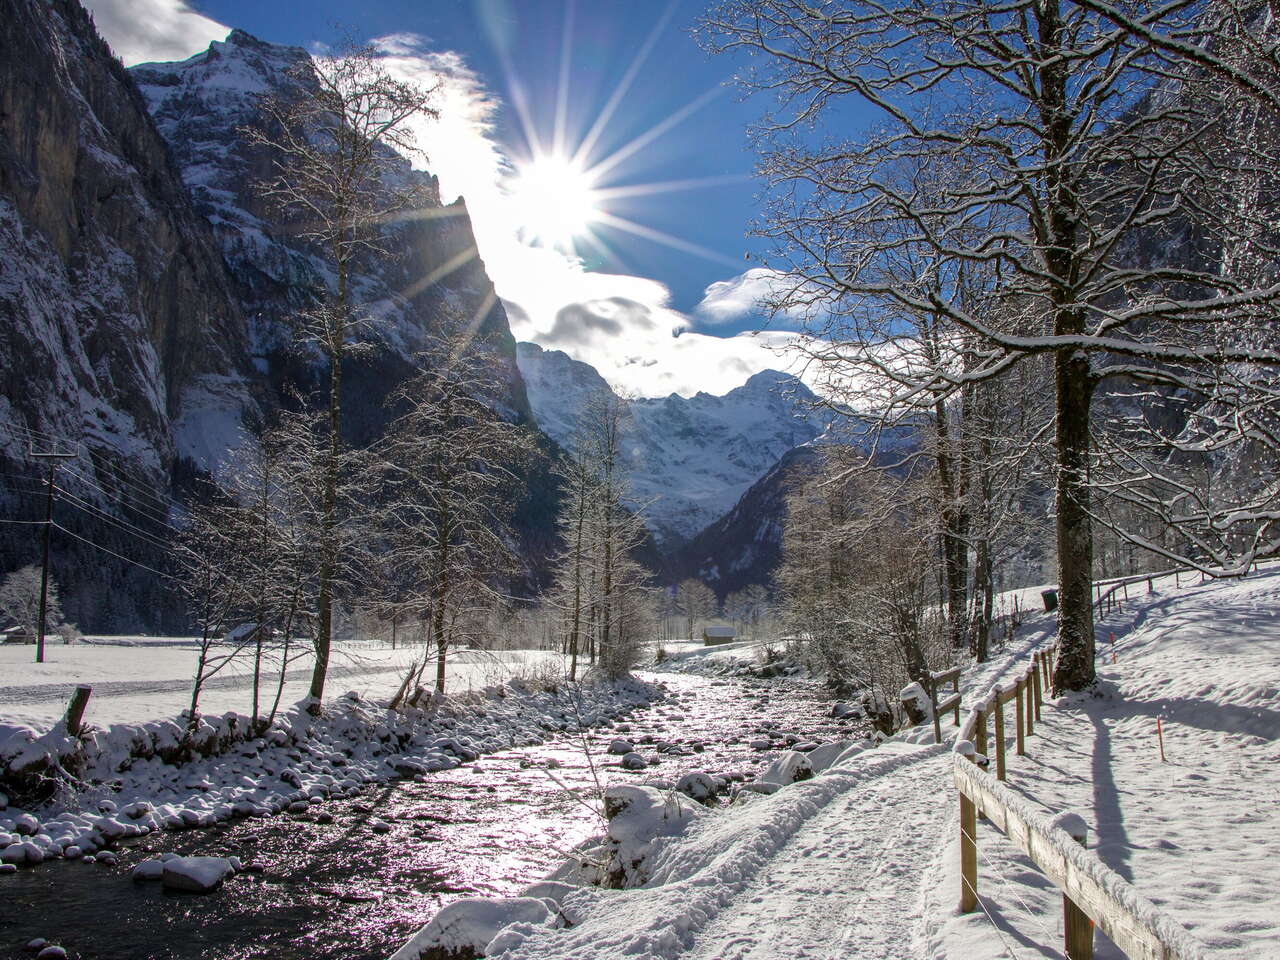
1107 600
1092 894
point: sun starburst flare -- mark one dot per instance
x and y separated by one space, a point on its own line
553 202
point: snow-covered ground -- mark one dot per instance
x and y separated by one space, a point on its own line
136 679
1198 833
862 861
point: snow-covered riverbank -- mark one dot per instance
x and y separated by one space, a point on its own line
126 788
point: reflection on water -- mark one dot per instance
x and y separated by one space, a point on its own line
339 889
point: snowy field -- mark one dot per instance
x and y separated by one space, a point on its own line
862 861
139 679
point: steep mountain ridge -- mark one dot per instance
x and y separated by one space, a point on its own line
114 305
113 296
202 106
689 459
146 297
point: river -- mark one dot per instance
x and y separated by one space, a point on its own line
329 886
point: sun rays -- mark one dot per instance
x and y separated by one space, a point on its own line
561 192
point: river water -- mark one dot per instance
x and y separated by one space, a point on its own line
340 890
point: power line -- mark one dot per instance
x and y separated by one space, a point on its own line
116 474
123 525
111 474
167 576
147 512
112 471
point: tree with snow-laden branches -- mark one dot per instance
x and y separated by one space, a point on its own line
1086 163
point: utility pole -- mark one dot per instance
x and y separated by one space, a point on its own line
53 459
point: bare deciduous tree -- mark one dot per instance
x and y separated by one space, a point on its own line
337 145
448 472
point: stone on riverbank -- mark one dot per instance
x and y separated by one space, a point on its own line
196 874
465 927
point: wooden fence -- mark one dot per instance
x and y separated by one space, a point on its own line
1092 894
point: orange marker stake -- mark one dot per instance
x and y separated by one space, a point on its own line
1113 648
1160 735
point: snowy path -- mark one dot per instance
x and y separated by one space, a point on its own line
1198 831
845 884
828 868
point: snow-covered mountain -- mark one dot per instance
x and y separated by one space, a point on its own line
744 547
201 107
690 459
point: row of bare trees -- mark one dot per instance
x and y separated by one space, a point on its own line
1047 250
601 591
420 521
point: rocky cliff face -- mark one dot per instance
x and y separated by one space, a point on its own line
114 302
113 296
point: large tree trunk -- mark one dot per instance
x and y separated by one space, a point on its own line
329 505
1074 669
1074 385
955 551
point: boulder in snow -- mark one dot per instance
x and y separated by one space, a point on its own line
148 870
620 747
917 703
791 767
633 761
196 874
698 786
638 816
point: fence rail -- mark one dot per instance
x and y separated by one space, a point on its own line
1092 894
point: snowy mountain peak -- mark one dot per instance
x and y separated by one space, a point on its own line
690 458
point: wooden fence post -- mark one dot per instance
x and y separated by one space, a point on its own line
75 710
1039 687
999 718
980 733
1077 928
1019 717
1029 692
955 684
968 854
933 708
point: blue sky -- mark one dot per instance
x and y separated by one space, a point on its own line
653 260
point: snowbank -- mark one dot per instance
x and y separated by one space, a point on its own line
125 787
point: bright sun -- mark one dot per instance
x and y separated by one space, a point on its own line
554 201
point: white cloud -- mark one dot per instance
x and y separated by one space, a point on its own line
140 31
750 294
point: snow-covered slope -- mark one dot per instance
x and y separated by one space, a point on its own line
744 546
692 457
